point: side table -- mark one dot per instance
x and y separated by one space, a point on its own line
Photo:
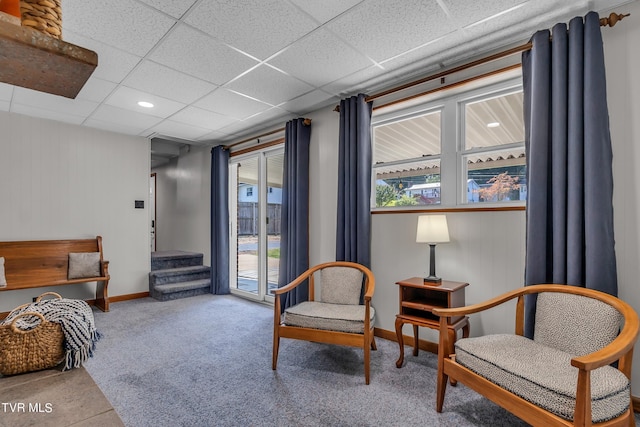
417 300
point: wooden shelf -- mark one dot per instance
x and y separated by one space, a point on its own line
34 60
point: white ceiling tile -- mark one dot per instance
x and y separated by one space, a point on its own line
175 8
205 119
125 118
269 85
160 80
113 64
135 21
212 137
309 102
96 90
197 54
386 28
260 30
112 127
231 104
179 130
469 12
327 58
46 101
357 81
325 10
57 115
5 105
127 98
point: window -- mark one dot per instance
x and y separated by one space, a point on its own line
407 160
493 153
460 149
249 191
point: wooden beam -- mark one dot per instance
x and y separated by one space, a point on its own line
32 59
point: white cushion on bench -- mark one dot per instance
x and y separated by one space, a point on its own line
327 316
542 375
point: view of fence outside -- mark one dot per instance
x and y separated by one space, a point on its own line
248 218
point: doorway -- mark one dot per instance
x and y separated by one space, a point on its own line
256 200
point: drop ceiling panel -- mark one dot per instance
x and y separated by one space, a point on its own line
113 64
203 118
380 31
179 130
127 98
269 85
322 51
96 90
168 83
134 21
175 8
57 115
231 104
133 120
194 53
326 10
472 12
6 92
260 30
46 101
309 102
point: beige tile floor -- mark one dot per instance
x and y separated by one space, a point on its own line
54 398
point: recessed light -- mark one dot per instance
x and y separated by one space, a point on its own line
145 104
493 125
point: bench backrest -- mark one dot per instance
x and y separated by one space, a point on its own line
575 324
42 262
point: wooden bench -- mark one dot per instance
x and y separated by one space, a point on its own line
39 263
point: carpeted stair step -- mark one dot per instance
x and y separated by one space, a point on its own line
177 275
163 260
171 291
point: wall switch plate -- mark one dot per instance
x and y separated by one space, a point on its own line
139 204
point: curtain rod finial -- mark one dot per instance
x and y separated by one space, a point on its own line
337 109
306 122
613 19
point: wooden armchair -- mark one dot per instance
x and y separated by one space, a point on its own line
564 375
338 318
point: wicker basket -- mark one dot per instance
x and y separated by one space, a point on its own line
43 15
25 351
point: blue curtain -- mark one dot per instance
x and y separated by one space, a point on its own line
294 237
353 238
219 220
569 161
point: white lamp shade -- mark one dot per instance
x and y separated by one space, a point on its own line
432 229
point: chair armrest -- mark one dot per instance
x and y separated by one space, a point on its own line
104 267
291 285
475 308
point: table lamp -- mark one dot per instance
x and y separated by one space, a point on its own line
432 229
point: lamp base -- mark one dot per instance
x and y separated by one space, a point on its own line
432 281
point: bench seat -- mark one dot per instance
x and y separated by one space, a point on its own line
43 263
543 375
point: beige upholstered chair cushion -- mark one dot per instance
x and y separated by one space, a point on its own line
341 285
542 375
575 324
327 316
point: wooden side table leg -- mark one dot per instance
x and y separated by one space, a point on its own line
416 340
400 339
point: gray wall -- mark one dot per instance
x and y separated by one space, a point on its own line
61 181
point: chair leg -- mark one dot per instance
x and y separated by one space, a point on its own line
373 343
367 358
276 344
441 388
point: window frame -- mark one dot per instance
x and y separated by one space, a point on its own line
453 171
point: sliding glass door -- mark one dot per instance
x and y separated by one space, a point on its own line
256 201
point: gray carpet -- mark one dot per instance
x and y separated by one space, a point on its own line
206 361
